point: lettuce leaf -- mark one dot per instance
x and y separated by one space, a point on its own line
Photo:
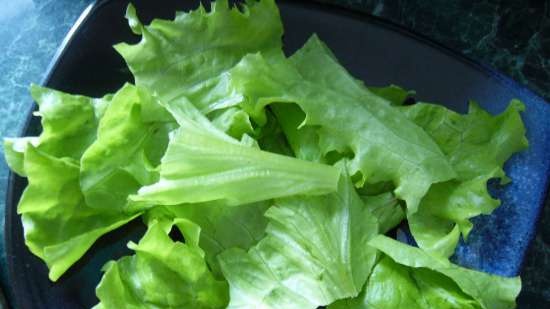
393 94
59 228
273 138
14 152
477 145
315 252
58 225
303 140
162 273
490 291
204 164
445 211
233 121
186 57
222 227
69 124
126 152
392 285
385 207
386 146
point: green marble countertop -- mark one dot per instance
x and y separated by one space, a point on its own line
512 36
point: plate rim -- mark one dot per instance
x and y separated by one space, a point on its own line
15 299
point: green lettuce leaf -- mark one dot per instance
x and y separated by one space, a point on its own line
124 155
385 207
187 57
59 227
393 94
477 145
222 227
233 121
69 124
14 152
162 273
303 140
392 285
491 292
445 211
386 146
204 164
271 137
315 252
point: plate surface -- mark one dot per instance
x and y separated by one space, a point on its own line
373 50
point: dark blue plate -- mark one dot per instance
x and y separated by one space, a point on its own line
375 51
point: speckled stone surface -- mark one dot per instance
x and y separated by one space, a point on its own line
512 36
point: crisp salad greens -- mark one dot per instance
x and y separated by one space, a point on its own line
284 176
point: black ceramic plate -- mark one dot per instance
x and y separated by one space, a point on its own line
373 50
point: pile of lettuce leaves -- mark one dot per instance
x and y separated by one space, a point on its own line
285 175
